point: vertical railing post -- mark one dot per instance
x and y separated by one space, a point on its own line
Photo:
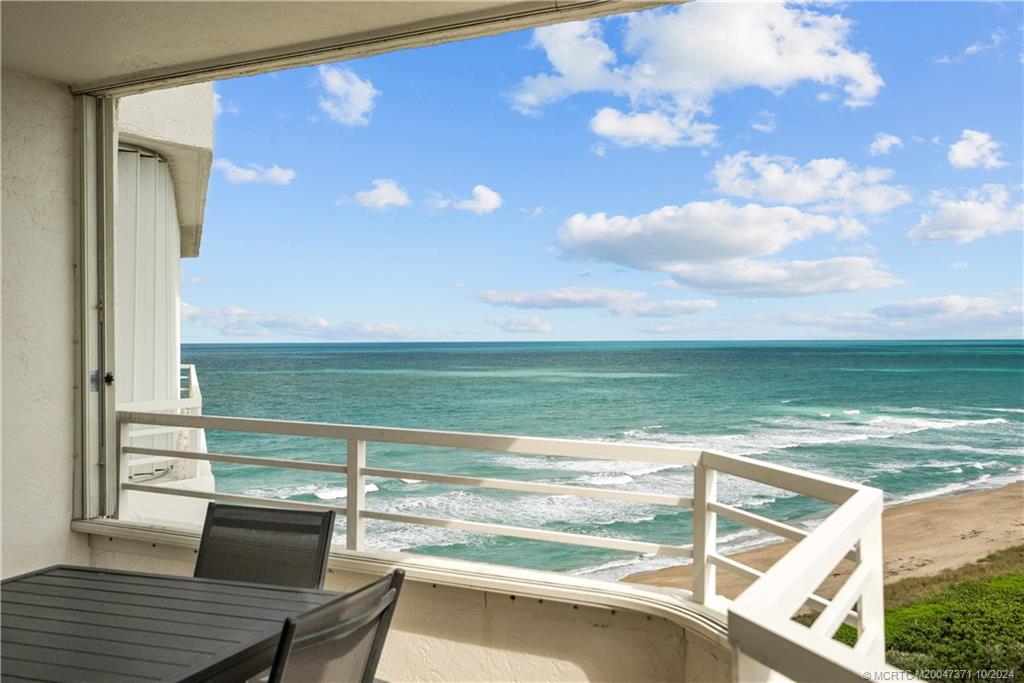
356 493
121 463
871 608
705 531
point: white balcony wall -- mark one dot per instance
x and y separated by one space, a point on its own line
38 317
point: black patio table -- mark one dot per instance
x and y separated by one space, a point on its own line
67 623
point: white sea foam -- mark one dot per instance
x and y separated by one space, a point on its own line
607 479
339 492
321 492
851 412
944 490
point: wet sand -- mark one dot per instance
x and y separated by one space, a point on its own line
919 538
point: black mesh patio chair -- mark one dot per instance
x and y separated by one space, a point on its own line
265 545
339 641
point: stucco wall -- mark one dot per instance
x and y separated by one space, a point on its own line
38 325
177 123
455 633
183 116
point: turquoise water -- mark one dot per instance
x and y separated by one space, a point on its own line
917 419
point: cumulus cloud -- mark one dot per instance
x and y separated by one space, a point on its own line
529 324
764 122
233 321
485 200
675 62
719 246
621 302
254 173
827 184
883 144
653 129
975 149
385 193
980 212
345 97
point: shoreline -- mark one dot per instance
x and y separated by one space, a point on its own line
920 537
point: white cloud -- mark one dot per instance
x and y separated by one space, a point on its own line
983 211
385 193
764 122
827 184
753 277
566 297
961 265
222 106
485 200
653 129
676 61
621 302
530 324
995 40
883 144
975 149
951 316
346 98
233 321
254 173
717 246
952 305
533 213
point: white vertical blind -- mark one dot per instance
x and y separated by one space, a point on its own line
148 289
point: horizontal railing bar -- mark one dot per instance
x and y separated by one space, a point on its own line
472 527
238 459
735 567
804 483
168 404
833 615
155 431
814 601
757 521
534 534
765 524
231 498
533 487
526 445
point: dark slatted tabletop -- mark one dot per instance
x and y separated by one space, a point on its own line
82 624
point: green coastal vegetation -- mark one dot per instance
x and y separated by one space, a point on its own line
969 618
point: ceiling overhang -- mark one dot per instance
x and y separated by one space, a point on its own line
118 48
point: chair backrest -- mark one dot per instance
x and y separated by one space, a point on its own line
341 640
265 545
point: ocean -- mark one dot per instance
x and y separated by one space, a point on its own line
916 419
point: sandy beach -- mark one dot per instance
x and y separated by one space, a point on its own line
919 538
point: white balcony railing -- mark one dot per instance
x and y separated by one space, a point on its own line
768 641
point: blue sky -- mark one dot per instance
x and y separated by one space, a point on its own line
707 171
